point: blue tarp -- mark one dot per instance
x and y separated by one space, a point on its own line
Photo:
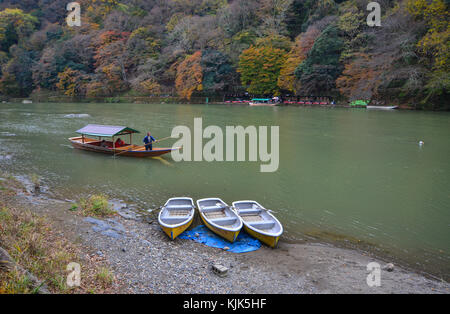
244 243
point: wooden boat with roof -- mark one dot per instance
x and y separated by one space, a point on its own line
176 216
220 218
101 139
259 222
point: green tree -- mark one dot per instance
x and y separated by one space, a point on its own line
296 16
217 71
434 45
15 25
260 68
19 69
318 73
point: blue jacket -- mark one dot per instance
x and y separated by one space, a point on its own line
149 140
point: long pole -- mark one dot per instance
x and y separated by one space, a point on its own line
163 139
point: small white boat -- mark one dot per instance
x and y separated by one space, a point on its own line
176 216
220 218
383 107
259 222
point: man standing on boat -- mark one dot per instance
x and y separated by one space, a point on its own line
148 141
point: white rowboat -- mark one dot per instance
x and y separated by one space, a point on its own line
176 216
220 218
383 107
259 222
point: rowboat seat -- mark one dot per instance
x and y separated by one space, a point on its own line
174 220
178 207
263 225
224 221
179 211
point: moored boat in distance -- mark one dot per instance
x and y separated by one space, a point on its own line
382 107
261 102
176 216
220 218
92 135
259 222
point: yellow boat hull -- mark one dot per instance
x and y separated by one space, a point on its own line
268 240
173 233
230 236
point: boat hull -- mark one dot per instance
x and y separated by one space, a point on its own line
271 241
122 152
230 236
173 233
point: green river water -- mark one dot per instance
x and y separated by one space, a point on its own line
353 176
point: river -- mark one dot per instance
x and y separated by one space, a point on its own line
352 176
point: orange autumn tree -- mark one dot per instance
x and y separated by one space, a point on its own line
298 54
189 76
110 60
71 82
150 86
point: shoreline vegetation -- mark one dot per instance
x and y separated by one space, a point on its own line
192 101
34 254
40 236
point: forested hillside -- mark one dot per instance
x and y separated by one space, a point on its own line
215 47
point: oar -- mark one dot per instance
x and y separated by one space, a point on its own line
163 139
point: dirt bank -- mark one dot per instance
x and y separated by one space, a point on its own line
145 261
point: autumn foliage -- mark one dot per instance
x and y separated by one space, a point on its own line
71 82
219 48
359 80
189 75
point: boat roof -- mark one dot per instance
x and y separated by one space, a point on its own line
260 99
105 130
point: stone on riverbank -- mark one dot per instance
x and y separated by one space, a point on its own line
389 267
220 270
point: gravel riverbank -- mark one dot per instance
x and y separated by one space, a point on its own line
144 260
